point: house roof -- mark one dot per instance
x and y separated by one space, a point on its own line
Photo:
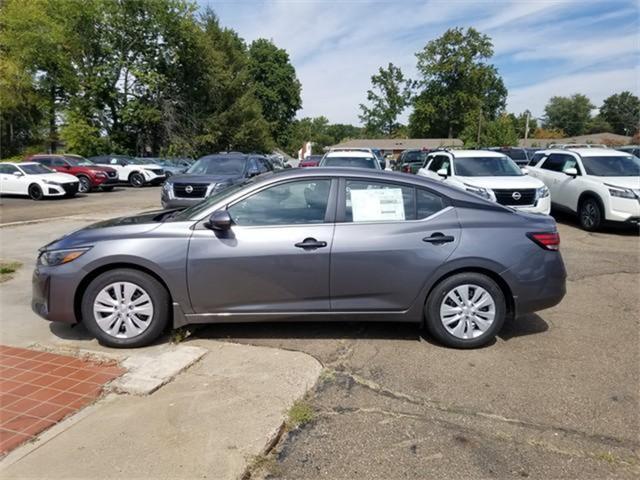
399 143
604 138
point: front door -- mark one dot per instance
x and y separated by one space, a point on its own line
389 238
275 258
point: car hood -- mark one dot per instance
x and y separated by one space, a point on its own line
187 178
623 182
56 177
115 228
524 181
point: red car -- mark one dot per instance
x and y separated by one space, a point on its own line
310 161
90 175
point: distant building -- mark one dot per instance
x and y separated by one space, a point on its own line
397 145
611 139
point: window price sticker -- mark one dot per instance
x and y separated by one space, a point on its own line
377 205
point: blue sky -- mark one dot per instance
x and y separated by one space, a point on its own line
542 47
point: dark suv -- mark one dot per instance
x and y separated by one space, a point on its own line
518 155
90 175
410 161
211 174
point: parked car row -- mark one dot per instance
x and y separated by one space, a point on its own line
53 175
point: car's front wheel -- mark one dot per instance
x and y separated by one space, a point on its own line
136 180
465 310
35 192
125 308
85 184
590 214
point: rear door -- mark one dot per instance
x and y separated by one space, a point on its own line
274 259
388 239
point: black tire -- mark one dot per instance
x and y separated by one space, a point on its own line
159 298
136 180
85 184
35 192
590 214
434 324
108 188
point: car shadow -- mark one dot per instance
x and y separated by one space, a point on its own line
529 324
622 229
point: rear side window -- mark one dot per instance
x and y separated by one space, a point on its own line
378 202
427 203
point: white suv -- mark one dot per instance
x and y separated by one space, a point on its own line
599 184
135 171
491 175
350 158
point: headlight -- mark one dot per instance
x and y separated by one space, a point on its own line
50 182
542 192
621 192
51 258
483 192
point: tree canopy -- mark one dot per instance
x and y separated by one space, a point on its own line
622 112
456 84
569 114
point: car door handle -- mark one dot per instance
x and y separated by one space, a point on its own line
439 238
311 243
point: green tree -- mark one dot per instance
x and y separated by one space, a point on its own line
598 124
569 114
276 86
520 123
498 132
456 80
389 97
622 112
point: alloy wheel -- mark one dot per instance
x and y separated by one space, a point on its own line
35 192
123 310
85 185
589 215
137 180
467 311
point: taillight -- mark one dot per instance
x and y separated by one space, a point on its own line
406 169
547 240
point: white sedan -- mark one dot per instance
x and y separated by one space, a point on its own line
36 181
491 175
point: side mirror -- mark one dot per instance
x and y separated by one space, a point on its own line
17 174
252 172
524 170
572 171
443 173
220 221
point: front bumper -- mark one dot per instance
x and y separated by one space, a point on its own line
53 296
542 206
69 188
172 202
623 210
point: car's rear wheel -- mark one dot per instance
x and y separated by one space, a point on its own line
465 310
136 180
85 184
35 192
125 308
590 214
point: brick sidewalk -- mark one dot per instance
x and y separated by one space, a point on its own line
38 389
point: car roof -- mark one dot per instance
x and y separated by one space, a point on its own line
349 154
587 152
472 153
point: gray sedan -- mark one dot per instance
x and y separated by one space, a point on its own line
312 244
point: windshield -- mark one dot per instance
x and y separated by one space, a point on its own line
79 162
137 161
194 211
486 167
414 157
357 162
35 169
218 166
612 166
516 154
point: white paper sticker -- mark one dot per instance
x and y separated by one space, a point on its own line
377 204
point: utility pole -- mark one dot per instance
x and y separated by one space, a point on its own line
526 128
479 127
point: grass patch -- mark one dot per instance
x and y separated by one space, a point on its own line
300 413
7 269
262 466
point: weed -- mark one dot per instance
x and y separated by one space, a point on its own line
7 269
300 413
180 334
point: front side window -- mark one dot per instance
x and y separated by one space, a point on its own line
612 166
292 203
487 167
378 202
558 162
